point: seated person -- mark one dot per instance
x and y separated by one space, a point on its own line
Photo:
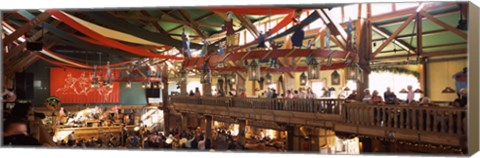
16 133
425 100
376 99
367 96
461 101
390 97
352 97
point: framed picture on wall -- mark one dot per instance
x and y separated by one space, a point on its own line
335 77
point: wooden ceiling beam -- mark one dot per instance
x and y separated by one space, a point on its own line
426 54
424 34
248 24
408 11
394 34
26 27
401 44
337 31
444 25
194 26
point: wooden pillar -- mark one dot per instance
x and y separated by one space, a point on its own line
1 66
184 120
364 51
241 131
207 89
208 127
166 111
183 85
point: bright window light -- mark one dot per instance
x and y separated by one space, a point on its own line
400 6
381 8
381 80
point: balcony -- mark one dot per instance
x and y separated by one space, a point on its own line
434 125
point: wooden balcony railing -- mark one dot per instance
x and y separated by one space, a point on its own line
429 119
330 106
445 120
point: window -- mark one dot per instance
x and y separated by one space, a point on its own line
400 6
381 8
381 80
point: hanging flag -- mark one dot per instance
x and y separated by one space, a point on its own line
221 50
297 37
327 41
204 48
349 27
186 44
261 40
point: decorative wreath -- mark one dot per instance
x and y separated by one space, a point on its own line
52 101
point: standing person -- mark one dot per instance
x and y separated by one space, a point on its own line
461 101
352 97
289 94
311 94
410 95
274 94
302 94
390 97
376 99
460 80
197 92
295 94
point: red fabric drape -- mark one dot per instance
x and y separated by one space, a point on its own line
252 10
73 86
106 41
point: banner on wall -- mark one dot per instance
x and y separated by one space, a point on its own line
74 86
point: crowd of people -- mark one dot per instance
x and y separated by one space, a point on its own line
188 139
390 98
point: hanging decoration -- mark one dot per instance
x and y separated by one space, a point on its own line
228 26
253 71
297 37
268 78
396 70
261 40
313 69
186 44
182 75
95 81
128 85
204 48
206 73
327 40
303 79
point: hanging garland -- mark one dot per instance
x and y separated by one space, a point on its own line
396 70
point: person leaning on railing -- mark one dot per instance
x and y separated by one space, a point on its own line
376 99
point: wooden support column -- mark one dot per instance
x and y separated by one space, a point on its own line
1 67
183 85
365 52
166 111
241 131
207 89
208 127
184 117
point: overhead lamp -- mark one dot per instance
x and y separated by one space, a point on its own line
234 78
448 90
128 85
346 89
303 79
268 78
253 71
148 84
313 69
403 91
462 24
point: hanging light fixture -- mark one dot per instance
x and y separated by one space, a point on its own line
313 69
352 71
253 71
144 85
182 75
128 85
160 85
403 90
95 83
303 79
148 84
268 78
206 74
234 78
